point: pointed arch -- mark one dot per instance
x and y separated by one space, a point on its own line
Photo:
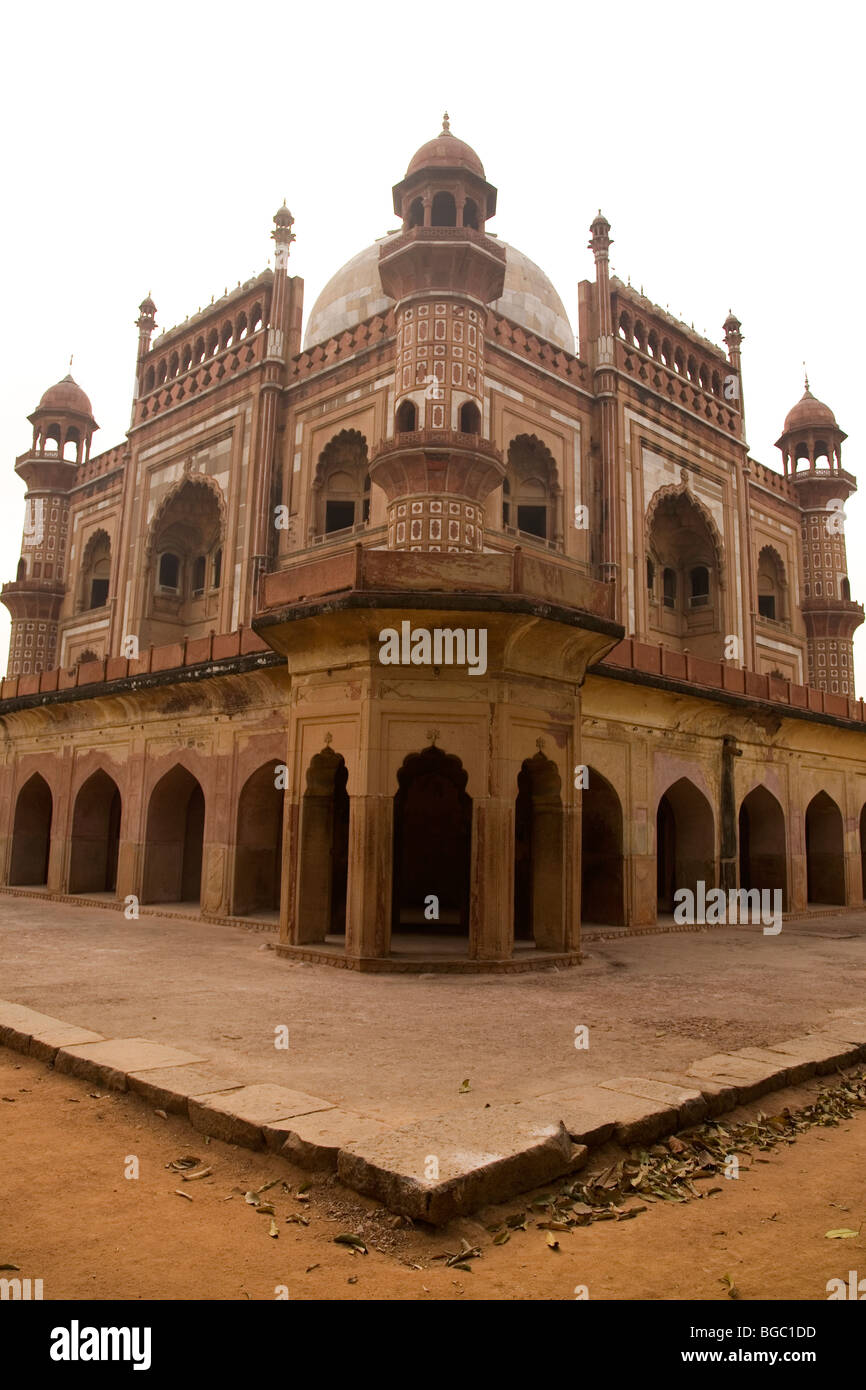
762 844
174 839
341 484
258 843
432 843
672 492
825 851
31 833
685 842
324 848
602 886
95 837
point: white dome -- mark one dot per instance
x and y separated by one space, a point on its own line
355 294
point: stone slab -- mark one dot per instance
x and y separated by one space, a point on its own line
689 1102
720 1096
20 1025
109 1063
239 1117
314 1141
480 1157
170 1088
827 1051
751 1079
845 1030
800 1065
593 1114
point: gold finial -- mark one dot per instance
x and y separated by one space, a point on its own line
806 375
446 124
70 360
329 739
433 734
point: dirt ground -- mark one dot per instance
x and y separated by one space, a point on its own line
71 1218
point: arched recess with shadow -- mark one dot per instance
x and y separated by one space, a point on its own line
324 852
259 843
763 861
539 907
174 839
95 836
31 833
685 842
432 844
825 851
601 895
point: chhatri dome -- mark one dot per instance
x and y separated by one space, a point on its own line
355 293
809 411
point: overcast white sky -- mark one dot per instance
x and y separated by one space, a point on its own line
146 149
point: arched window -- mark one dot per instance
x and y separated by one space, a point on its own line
198 351
72 445
212 342
771 585
169 571
342 484
186 358
686 548
227 335
532 481
242 329
407 417
443 212
416 213
470 418
22 572
160 372
173 364
149 379
470 214
625 327
95 571
846 588
199 570
652 343
217 567
185 537
699 586
256 318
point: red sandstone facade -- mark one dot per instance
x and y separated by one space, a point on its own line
200 605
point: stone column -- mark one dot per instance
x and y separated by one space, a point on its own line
491 894
368 893
572 831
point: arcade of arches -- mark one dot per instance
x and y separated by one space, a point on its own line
434 840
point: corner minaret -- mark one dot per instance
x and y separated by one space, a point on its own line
605 391
283 339
63 426
145 323
437 464
811 445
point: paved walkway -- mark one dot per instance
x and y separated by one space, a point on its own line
398 1048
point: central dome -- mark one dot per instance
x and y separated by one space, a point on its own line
355 293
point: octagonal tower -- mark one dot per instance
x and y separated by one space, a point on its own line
812 437
439 465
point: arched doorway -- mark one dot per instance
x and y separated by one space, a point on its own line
324 854
31 833
762 843
432 845
601 894
95 836
259 845
174 839
685 843
539 906
825 851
